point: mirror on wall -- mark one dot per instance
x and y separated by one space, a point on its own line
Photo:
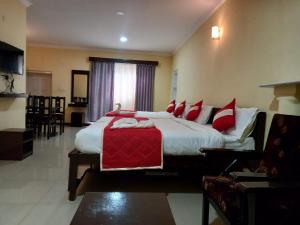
80 86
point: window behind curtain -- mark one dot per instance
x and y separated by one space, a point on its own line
125 85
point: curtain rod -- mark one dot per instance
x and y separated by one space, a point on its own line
96 59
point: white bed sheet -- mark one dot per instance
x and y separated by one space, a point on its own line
247 144
154 115
235 142
180 137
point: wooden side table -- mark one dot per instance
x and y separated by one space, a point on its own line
16 144
111 208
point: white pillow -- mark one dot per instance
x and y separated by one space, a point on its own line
204 114
244 122
186 109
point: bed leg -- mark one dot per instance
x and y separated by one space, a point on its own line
72 186
205 210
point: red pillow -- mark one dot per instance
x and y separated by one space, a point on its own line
171 107
194 111
179 109
225 117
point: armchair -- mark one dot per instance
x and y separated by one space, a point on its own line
269 196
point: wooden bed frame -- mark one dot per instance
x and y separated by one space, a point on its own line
195 165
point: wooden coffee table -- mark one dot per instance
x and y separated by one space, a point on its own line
121 208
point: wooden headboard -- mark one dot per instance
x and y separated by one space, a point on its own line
259 130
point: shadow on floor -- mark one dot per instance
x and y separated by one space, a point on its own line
138 182
217 221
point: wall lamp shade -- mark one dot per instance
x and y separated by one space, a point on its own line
215 32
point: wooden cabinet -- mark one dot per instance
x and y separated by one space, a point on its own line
77 119
16 144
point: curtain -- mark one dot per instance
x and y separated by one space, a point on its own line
124 85
101 89
145 75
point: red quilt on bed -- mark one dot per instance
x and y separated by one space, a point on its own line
131 148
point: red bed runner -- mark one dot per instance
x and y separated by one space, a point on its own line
122 113
131 148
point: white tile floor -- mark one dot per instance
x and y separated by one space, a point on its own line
34 191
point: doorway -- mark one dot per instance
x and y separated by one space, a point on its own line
39 83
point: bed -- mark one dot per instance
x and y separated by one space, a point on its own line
180 149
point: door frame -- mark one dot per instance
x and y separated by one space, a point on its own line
48 73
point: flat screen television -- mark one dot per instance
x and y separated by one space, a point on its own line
11 59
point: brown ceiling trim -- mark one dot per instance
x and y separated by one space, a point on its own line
96 59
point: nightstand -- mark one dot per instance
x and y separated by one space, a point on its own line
77 119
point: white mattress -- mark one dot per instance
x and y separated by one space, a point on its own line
180 137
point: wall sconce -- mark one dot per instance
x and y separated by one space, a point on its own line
215 32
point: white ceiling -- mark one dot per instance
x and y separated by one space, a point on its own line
150 25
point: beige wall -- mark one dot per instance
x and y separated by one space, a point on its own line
61 61
259 44
13 31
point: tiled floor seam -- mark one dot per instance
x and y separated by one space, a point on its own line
34 205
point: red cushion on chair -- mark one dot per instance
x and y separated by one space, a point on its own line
171 107
179 109
225 117
194 111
